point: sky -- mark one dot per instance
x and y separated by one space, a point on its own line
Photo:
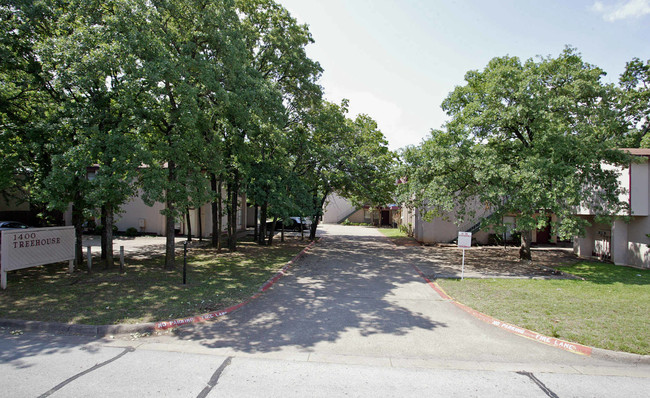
398 60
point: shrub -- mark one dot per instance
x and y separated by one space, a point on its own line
131 232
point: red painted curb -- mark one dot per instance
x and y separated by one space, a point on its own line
434 286
158 326
529 334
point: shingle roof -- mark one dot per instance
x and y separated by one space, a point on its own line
637 151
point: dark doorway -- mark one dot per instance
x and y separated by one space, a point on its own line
385 217
544 235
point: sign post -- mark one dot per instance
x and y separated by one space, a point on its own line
464 242
24 248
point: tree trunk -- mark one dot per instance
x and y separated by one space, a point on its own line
200 225
219 215
272 231
189 225
314 227
170 243
282 233
233 193
316 218
255 233
302 230
524 250
262 233
103 233
77 222
108 228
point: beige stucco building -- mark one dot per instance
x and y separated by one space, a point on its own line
625 242
338 209
443 229
149 219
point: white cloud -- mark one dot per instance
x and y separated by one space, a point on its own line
622 9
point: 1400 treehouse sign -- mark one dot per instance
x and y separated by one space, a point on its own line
24 248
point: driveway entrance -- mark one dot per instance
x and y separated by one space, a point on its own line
357 295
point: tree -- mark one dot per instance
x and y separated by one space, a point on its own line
275 44
635 100
350 157
88 66
28 104
187 57
50 155
526 139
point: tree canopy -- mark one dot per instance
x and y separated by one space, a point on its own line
526 139
178 100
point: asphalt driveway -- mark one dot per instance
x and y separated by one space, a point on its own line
356 298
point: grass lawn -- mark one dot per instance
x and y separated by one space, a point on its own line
393 232
609 309
398 237
145 292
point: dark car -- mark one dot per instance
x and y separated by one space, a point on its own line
10 225
291 224
6 225
294 223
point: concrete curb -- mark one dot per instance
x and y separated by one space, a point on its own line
598 353
76 330
107 330
618 356
575 348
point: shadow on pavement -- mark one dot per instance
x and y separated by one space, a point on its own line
347 284
16 347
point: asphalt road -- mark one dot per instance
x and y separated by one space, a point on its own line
352 318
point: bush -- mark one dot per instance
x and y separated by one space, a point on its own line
131 232
497 239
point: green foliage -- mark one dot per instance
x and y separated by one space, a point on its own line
635 102
347 156
404 229
524 138
164 97
131 232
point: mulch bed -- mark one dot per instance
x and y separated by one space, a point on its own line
500 261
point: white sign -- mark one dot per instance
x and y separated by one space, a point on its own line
24 248
465 240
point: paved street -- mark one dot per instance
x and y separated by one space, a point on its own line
353 317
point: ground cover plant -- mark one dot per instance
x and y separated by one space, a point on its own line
606 307
145 292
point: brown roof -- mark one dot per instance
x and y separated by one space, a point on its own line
637 151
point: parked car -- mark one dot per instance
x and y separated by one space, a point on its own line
6 225
9 225
294 223
291 224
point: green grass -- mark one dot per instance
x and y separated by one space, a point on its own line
393 233
145 292
609 309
